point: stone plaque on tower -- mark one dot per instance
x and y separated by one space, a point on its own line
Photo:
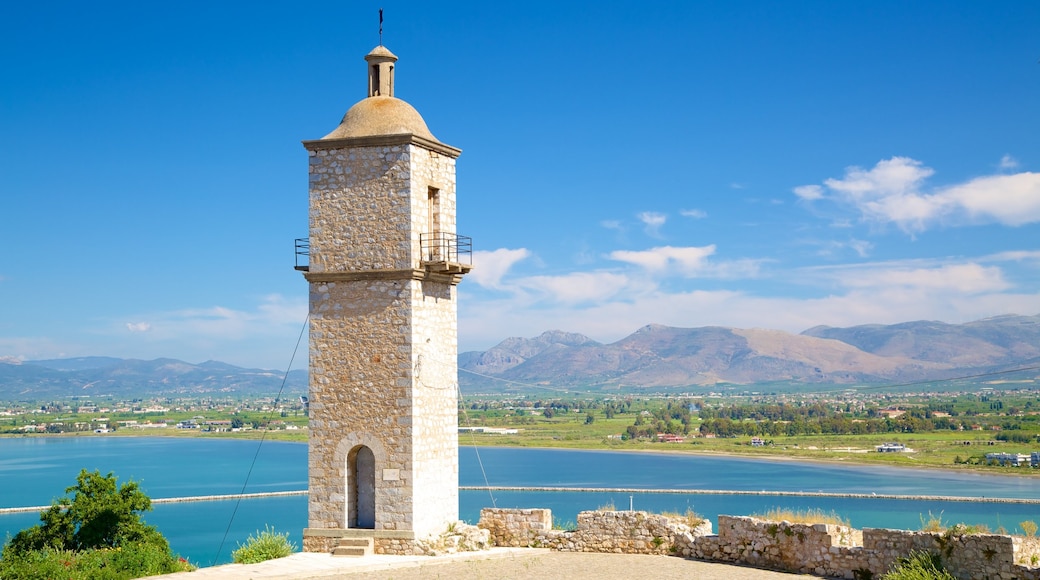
384 263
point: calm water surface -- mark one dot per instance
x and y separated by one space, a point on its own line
33 471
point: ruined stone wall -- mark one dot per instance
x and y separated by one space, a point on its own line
825 550
808 548
619 532
515 528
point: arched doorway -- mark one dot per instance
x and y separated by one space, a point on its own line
361 488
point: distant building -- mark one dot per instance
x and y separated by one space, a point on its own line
1012 459
757 442
491 430
669 438
892 448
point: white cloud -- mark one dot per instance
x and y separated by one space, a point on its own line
652 222
1008 162
861 247
969 278
894 177
490 267
809 192
696 214
1012 200
1013 256
612 225
893 192
138 326
577 287
687 260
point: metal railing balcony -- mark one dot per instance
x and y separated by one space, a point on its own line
441 252
447 253
303 254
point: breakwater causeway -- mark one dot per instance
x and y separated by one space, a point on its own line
634 490
631 490
188 499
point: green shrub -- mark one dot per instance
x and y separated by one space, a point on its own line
265 545
95 513
94 532
919 566
122 563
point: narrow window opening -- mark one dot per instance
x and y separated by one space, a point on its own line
433 204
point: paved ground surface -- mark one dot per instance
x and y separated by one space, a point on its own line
497 564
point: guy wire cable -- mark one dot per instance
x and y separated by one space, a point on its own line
260 444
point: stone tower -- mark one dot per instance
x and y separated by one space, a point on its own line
384 263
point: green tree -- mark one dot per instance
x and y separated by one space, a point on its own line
589 418
95 513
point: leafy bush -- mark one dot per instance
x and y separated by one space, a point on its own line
95 513
919 566
123 563
265 545
94 532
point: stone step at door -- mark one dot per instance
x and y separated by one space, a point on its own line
355 547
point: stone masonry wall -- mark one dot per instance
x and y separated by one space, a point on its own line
360 370
434 359
826 550
620 532
383 340
360 208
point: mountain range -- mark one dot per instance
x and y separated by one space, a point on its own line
661 356
654 356
98 376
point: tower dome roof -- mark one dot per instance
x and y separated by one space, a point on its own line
378 115
381 113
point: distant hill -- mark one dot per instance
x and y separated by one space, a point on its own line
660 356
653 357
987 342
131 378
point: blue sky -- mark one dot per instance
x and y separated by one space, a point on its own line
750 164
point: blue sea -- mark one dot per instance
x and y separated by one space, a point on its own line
35 470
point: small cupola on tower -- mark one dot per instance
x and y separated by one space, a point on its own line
381 113
380 72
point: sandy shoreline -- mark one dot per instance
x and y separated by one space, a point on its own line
754 456
1017 472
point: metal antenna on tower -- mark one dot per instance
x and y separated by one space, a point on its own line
380 27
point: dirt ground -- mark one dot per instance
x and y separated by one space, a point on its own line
567 565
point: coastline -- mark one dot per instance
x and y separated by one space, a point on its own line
856 459
966 469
